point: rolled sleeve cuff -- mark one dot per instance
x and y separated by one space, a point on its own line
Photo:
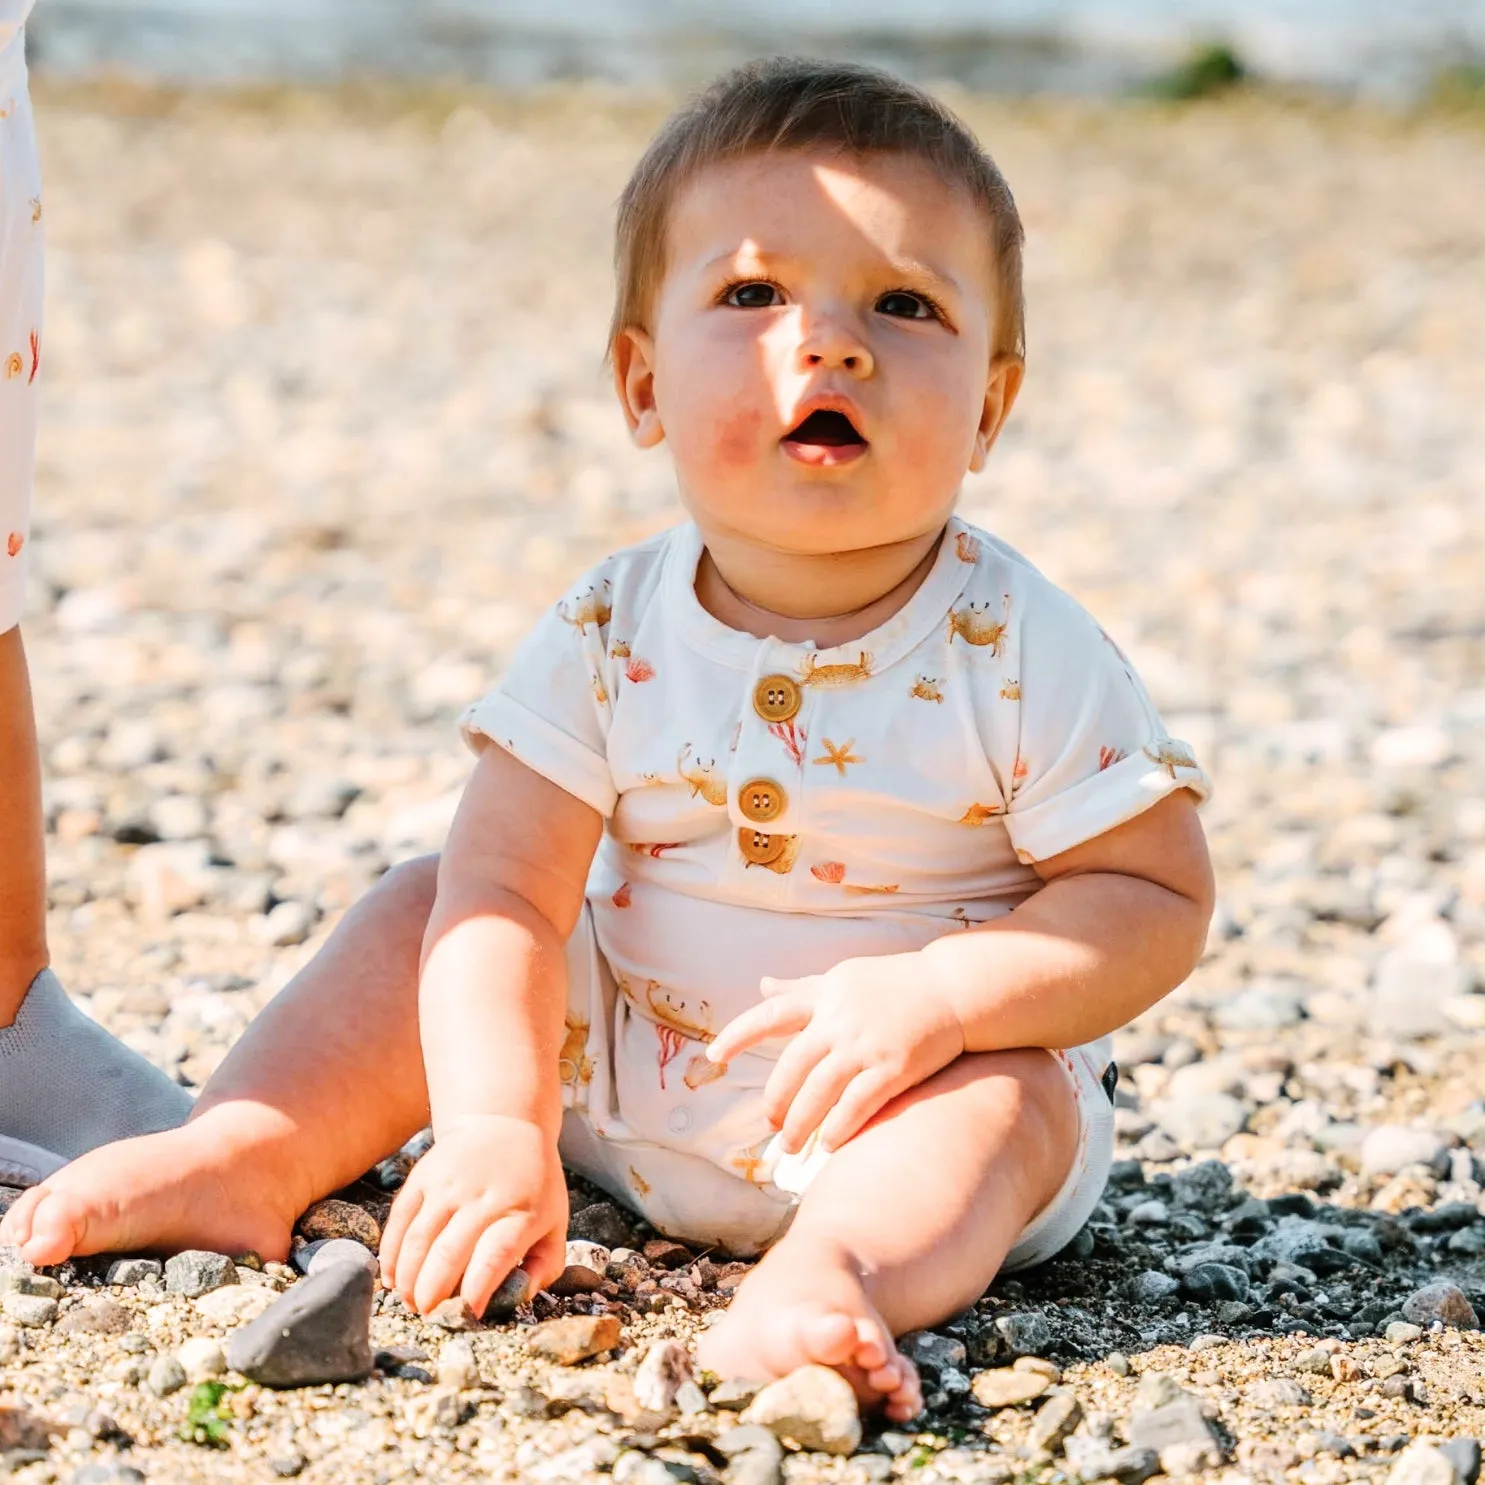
541 747
1102 801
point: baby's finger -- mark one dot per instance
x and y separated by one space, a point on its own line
497 1252
814 1101
782 1016
417 1241
547 1258
864 1096
399 1219
443 1269
796 1062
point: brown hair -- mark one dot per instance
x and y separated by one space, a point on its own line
798 103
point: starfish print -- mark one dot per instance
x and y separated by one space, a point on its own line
840 756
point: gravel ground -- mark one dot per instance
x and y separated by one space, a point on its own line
325 426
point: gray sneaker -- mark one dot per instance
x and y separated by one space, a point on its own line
26 1165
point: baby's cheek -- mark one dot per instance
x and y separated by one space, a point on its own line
737 437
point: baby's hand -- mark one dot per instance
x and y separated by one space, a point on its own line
488 1196
861 1033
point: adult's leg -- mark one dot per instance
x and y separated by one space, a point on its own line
905 1225
327 1081
65 1084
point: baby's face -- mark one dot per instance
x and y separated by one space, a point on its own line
820 357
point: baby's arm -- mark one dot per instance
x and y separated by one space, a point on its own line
492 1000
1121 922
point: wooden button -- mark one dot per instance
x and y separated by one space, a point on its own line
776 698
761 800
761 849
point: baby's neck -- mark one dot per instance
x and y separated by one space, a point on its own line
830 599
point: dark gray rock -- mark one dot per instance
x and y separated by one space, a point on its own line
1152 1285
195 1272
1205 1186
1024 1334
130 1271
603 1223
318 1332
1214 1283
1464 1455
312 1257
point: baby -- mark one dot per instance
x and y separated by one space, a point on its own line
813 849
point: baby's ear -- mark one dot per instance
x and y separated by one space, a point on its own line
634 381
1006 373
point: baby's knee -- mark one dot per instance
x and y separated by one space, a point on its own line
410 886
1028 1089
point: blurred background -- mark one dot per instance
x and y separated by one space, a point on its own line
325 424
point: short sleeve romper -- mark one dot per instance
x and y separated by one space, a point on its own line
20 308
772 809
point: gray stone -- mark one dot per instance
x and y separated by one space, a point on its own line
196 1272
926 1348
313 1257
1267 1006
166 1375
1278 1392
1444 1302
512 1292
1225 1253
1400 1332
1201 1121
23 1279
1388 1148
1054 1421
128 1272
1005 1388
602 1223
1213 1283
108 1472
1205 1186
457 1366
1180 1433
1024 1334
318 1332
202 1358
1129 1466
733 1395
33 1311
1152 1285
1423 1464
1464 1454
662 1371
813 1407
1157 1390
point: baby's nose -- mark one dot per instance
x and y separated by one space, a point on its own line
834 348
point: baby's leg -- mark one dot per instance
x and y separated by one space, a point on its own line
327 1081
905 1225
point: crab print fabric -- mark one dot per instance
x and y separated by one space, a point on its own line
20 313
772 809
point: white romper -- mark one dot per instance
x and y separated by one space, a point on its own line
20 308
773 809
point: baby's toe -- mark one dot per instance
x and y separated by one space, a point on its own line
885 1379
874 1348
15 1225
56 1224
905 1402
828 1338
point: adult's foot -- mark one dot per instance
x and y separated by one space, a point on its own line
803 1305
159 1193
68 1086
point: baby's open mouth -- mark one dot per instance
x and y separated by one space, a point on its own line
825 428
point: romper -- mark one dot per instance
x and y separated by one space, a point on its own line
20 308
773 809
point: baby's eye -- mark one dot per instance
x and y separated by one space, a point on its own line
903 305
754 295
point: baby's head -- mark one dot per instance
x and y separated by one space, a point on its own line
819 306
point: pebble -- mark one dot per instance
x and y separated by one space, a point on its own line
194 1273
233 1305
575 1338
1054 1421
166 1375
128 1272
663 1370
1464 1454
733 1394
1024 1334
1201 1121
457 1366
322 1252
319 1331
1443 1302
1390 1148
1400 1332
29 1310
453 1314
513 1291
600 1223
201 1358
341 1219
754 1456
1278 1392
1212 1283
1180 1433
1129 1466
1423 1464
100 1316
812 1407
1007 1388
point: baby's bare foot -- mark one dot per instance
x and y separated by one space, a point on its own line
160 1192
798 1307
